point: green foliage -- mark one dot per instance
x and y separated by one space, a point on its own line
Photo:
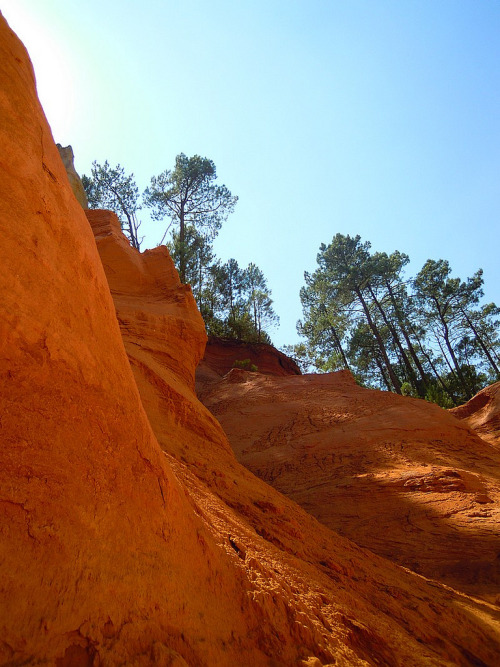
406 389
110 188
234 302
303 356
436 394
246 365
238 303
259 300
189 197
427 337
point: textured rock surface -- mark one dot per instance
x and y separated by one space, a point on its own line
114 552
221 353
278 544
68 158
101 553
482 413
397 475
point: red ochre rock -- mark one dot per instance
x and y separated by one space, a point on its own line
101 554
397 475
222 353
482 413
113 551
201 457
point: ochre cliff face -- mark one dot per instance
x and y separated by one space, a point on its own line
102 555
222 353
67 157
158 316
115 550
397 475
295 547
482 414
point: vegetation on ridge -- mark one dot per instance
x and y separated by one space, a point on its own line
110 188
190 198
234 302
427 336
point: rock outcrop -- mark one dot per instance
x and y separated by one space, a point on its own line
155 312
116 552
397 475
68 159
103 558
222 353
482 413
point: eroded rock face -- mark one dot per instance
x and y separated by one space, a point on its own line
158 316
482 413
397 475
228 496
275 543
100 547
116 552
68 158
222 353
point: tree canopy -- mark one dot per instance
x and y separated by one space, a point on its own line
110 188
237 302
428 336
189 197
234 302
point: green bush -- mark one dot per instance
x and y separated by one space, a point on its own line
406 389
436 394
246 365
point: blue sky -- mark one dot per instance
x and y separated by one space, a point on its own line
376 117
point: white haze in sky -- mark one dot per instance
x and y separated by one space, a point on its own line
377 118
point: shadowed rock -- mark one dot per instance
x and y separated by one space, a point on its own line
397 475
74 179
222 353
482 413
114 551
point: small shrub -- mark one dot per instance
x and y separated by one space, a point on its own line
245 365
437 395
406 389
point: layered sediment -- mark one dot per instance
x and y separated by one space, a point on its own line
482 414
397 475
130 533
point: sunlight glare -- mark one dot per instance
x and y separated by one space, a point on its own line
52 65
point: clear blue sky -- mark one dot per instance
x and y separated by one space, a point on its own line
375 117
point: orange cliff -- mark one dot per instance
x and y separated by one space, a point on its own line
397 475
102 555
222 353
482 413
116 552
226 494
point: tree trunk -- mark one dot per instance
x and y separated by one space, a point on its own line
445 357
434 370
411 348
338 344
382 372
394 379
200 284
459 373
182 249
404 357
481 343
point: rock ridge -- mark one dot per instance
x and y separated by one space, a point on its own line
399 476
129 532
482 413
222 353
